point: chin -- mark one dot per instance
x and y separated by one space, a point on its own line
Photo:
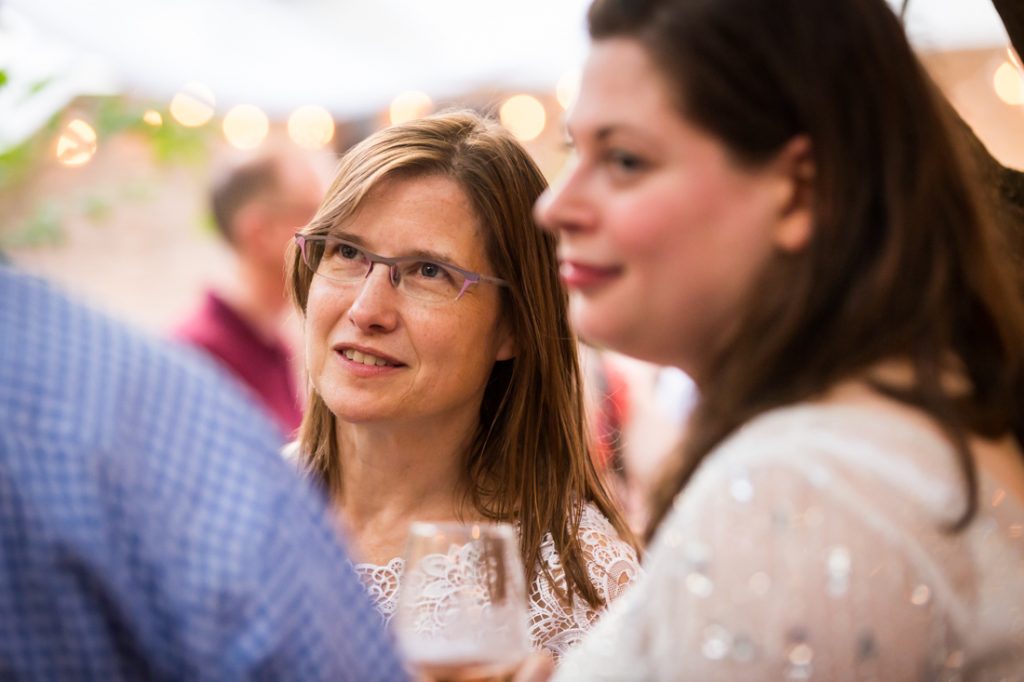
342 409
355 410
630 339
597 329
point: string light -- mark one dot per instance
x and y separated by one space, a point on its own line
1008 84
245 126
524 116
311 127
409 106
76 144
152 117
193 106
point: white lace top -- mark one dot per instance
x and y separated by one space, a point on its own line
554 625
810 546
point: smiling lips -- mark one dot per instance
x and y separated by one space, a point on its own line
578 275
365 358
366 363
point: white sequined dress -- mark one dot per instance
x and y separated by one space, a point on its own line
810 545
554 625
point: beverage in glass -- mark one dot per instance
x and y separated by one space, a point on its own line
462 604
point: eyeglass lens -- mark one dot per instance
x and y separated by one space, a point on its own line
415 277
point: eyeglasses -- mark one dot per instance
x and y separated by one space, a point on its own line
432 281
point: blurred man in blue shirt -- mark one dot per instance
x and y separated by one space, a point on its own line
148 527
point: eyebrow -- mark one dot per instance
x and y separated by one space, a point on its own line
424 254
604 132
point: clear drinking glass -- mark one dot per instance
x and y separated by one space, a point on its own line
462 603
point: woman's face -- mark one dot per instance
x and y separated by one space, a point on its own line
438 355
660 231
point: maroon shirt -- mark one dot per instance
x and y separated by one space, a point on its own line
261 365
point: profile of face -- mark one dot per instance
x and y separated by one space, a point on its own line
376 352
661 232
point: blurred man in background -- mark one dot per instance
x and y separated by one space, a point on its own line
257 204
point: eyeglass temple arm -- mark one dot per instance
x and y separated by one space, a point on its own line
300 241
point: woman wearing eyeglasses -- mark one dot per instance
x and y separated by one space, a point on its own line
443 374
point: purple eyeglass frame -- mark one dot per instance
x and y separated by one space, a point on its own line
469 277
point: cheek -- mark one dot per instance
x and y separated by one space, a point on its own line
644 222
654 241
462 341
315 305
323 309
695 222
684 253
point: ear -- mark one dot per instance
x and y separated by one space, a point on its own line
796 173
506 344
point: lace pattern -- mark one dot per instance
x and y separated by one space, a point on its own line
554 625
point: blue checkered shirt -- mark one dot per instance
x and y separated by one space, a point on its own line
148 527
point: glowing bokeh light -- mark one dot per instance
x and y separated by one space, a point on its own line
193 106
524 116
567 88
245 126
311 127
409 106
76 144
1009 84
152 117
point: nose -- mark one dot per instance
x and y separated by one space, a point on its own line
374 309
565 206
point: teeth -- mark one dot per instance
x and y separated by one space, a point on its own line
365 358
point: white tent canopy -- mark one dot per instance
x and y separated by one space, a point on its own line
349 57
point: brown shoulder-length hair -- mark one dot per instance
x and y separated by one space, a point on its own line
903 262
528 461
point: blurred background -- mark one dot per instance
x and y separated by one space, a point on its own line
113 112
116 114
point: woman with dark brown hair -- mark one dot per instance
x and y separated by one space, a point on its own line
444 377
765 194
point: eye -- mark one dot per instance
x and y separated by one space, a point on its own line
625 162
429 270
348 252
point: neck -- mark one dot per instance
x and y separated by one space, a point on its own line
258 296
393 475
